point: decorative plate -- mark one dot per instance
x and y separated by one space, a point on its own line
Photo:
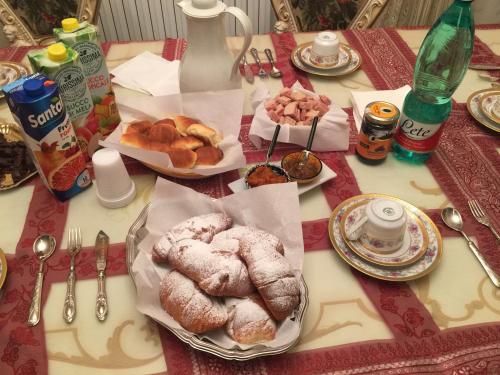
414 245
12 72
135 235
353 65
490 105
343 60
12 133
3 268
474 108
420 268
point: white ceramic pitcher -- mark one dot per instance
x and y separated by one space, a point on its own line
207 64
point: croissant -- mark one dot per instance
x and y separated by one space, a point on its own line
256 235
188 305
203 228
217 272
272 276
249 321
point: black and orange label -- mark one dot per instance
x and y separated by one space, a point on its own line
373 148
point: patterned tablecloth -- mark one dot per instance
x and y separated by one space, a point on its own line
446 322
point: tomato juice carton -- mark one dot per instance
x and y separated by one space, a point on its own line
62 65
84 38
37 107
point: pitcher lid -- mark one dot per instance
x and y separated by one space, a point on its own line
202 8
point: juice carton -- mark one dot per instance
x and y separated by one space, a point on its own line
62 65
49 135
84 38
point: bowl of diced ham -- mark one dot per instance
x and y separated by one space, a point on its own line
294 107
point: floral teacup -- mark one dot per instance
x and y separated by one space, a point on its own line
325 49
382 227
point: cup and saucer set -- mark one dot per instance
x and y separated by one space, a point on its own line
385 237
326 56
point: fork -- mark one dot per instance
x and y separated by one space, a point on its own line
74 246
255 54
481 217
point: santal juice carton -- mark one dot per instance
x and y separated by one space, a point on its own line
84 38
47 131
62 65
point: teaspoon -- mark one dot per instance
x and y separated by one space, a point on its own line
453 219
275 72
43 247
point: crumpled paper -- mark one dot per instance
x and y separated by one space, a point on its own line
274 208
332 132
205 106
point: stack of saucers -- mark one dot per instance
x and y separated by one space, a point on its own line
413 253
484 106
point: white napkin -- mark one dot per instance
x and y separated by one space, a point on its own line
148 73
332 133
360 99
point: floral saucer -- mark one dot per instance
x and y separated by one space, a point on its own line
415 240
343 60
490 105
3 268
474 108
421 267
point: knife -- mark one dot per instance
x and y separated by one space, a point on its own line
484 67
247 70
101 249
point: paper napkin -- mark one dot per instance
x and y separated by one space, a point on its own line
148 73
360 100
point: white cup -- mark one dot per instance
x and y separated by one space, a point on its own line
382 227
115 188
325 48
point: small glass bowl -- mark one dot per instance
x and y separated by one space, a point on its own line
277 170
313 162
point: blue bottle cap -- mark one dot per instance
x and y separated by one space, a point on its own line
33 87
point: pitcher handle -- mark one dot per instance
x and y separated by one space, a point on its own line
246 23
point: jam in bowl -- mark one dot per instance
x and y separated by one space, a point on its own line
300 171
265 174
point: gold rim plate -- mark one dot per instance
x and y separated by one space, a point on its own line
3 268
413 259
17 71
482 104
12 132
473 106
354 64
434 251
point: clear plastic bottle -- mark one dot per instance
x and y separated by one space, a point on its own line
441 65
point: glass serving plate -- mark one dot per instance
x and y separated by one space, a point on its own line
135 235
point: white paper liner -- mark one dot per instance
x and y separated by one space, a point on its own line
274 208
332 133
220 110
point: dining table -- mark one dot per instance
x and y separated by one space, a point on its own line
446 322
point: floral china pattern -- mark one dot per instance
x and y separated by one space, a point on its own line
413 247
413 271
326 62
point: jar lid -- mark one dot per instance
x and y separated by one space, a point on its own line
382 113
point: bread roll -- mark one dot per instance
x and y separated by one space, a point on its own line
188 305
141 126
163 133
165 121
183 122
238 232
189 142
139 140
271 274
249 321
206 133
208 155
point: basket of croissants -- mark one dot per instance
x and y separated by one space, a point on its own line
233 278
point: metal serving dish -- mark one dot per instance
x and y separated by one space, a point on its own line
136 233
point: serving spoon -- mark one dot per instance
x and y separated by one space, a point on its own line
452 218
43 247
275 72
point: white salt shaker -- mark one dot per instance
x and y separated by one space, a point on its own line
115 188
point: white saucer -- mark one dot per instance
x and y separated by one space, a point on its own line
421 267
325 175
414 245
343 60
474 108
490 105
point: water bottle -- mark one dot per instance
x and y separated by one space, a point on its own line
441 65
